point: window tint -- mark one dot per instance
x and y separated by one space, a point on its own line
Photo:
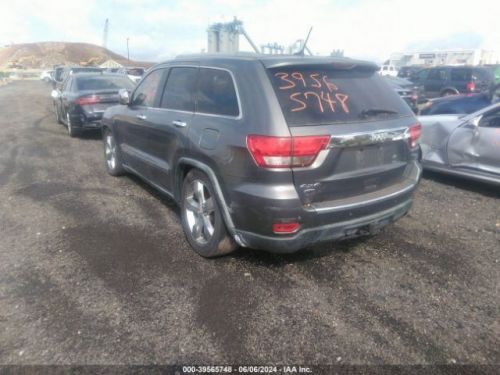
179 92
482 75
103 83
460 74
216 93
437 74
423 74
145 93
491 119
317 95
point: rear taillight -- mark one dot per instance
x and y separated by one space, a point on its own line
415 132
285 152
471 86
86 100
285 228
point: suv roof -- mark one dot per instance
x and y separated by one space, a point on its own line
272 60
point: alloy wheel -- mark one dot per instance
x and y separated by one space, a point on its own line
110 150
200 212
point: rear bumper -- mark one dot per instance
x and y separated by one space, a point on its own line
87 121
254 210
366 225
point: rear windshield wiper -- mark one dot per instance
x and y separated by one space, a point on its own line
376 111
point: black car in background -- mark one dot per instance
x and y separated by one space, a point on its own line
63 72
408 71
271 152
83 98
406 90
461 104
452 80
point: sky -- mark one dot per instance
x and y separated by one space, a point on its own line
160 29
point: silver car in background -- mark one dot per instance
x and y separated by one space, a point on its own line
463 145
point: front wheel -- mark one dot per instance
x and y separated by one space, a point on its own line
201 217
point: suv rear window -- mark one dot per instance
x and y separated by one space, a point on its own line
315 95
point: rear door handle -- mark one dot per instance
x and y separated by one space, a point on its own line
142 117
180 124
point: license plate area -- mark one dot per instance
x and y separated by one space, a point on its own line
370 156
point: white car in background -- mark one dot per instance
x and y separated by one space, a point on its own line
134 73
388 70
47 75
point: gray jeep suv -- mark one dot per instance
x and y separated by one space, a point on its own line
268 152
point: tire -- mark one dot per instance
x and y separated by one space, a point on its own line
72 131
201 217
112 157
58 115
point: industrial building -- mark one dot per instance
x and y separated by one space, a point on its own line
446 57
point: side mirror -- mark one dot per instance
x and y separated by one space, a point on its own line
476 120
124 96
55 94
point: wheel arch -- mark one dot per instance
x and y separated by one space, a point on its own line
186 164
449 88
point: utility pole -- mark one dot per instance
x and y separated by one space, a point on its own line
128 54
105 34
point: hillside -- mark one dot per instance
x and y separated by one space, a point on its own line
47 54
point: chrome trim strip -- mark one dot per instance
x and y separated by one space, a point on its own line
414 178
353 205
369 138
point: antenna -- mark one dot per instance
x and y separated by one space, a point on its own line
105 34
304 46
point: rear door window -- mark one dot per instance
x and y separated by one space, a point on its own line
216 93
315 95
460 74
437 74
179 91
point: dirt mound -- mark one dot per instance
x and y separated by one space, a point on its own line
47 54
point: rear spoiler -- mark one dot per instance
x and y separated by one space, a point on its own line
341 64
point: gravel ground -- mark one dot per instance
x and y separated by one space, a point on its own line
96 270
